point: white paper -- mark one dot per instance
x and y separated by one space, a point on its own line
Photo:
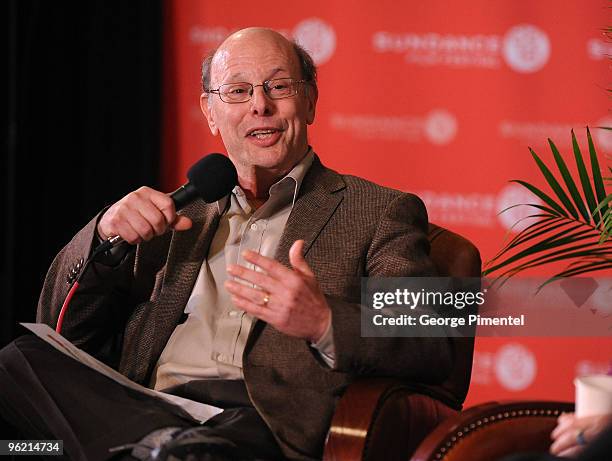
199 411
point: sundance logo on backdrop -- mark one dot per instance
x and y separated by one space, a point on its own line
587 367
604 137
438 127
481 209
535 134
598 49
315 35
208 36
524 48
513 366
511 216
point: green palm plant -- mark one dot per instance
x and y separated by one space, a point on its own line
566 226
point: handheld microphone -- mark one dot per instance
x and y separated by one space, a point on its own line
210 178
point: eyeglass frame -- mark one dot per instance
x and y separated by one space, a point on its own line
263 85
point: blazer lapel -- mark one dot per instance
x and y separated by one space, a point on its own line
319 196
188 250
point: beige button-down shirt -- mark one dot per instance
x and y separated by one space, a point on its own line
210 343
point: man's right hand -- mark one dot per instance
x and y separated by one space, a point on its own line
140 216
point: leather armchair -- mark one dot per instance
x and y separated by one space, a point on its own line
493 430
381 418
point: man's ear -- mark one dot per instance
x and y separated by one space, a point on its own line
207 111
312 95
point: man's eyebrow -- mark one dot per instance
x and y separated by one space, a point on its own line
240 75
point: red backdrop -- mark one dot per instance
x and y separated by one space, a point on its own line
439 98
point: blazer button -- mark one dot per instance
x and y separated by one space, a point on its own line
79 264
74 271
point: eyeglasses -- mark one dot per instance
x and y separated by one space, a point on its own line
277 88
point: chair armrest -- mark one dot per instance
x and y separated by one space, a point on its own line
381 418
493 430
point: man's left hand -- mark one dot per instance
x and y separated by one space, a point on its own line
288 299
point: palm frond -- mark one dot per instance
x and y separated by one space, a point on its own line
606 227
543 196
584 178
544 226
548 247
569 182
600 188
554 185
572 225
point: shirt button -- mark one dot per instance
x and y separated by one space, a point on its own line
221 357
233 313
253 226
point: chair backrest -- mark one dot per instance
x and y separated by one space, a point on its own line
493 430
455 256
452 254
382 418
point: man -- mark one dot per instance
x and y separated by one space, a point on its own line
259 291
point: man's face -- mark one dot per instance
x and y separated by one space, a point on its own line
264 133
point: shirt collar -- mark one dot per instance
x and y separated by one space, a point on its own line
289 184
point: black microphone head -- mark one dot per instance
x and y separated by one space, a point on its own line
214 176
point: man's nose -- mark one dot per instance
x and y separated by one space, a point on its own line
261 103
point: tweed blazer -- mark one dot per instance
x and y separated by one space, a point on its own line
352 228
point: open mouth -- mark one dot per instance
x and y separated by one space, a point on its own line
263 133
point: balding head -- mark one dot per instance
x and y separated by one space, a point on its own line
307 68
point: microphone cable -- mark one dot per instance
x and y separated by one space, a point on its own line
210 178
103 247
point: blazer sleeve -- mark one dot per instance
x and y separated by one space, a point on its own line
96 316
399 248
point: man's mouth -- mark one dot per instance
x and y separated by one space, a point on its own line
262 133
